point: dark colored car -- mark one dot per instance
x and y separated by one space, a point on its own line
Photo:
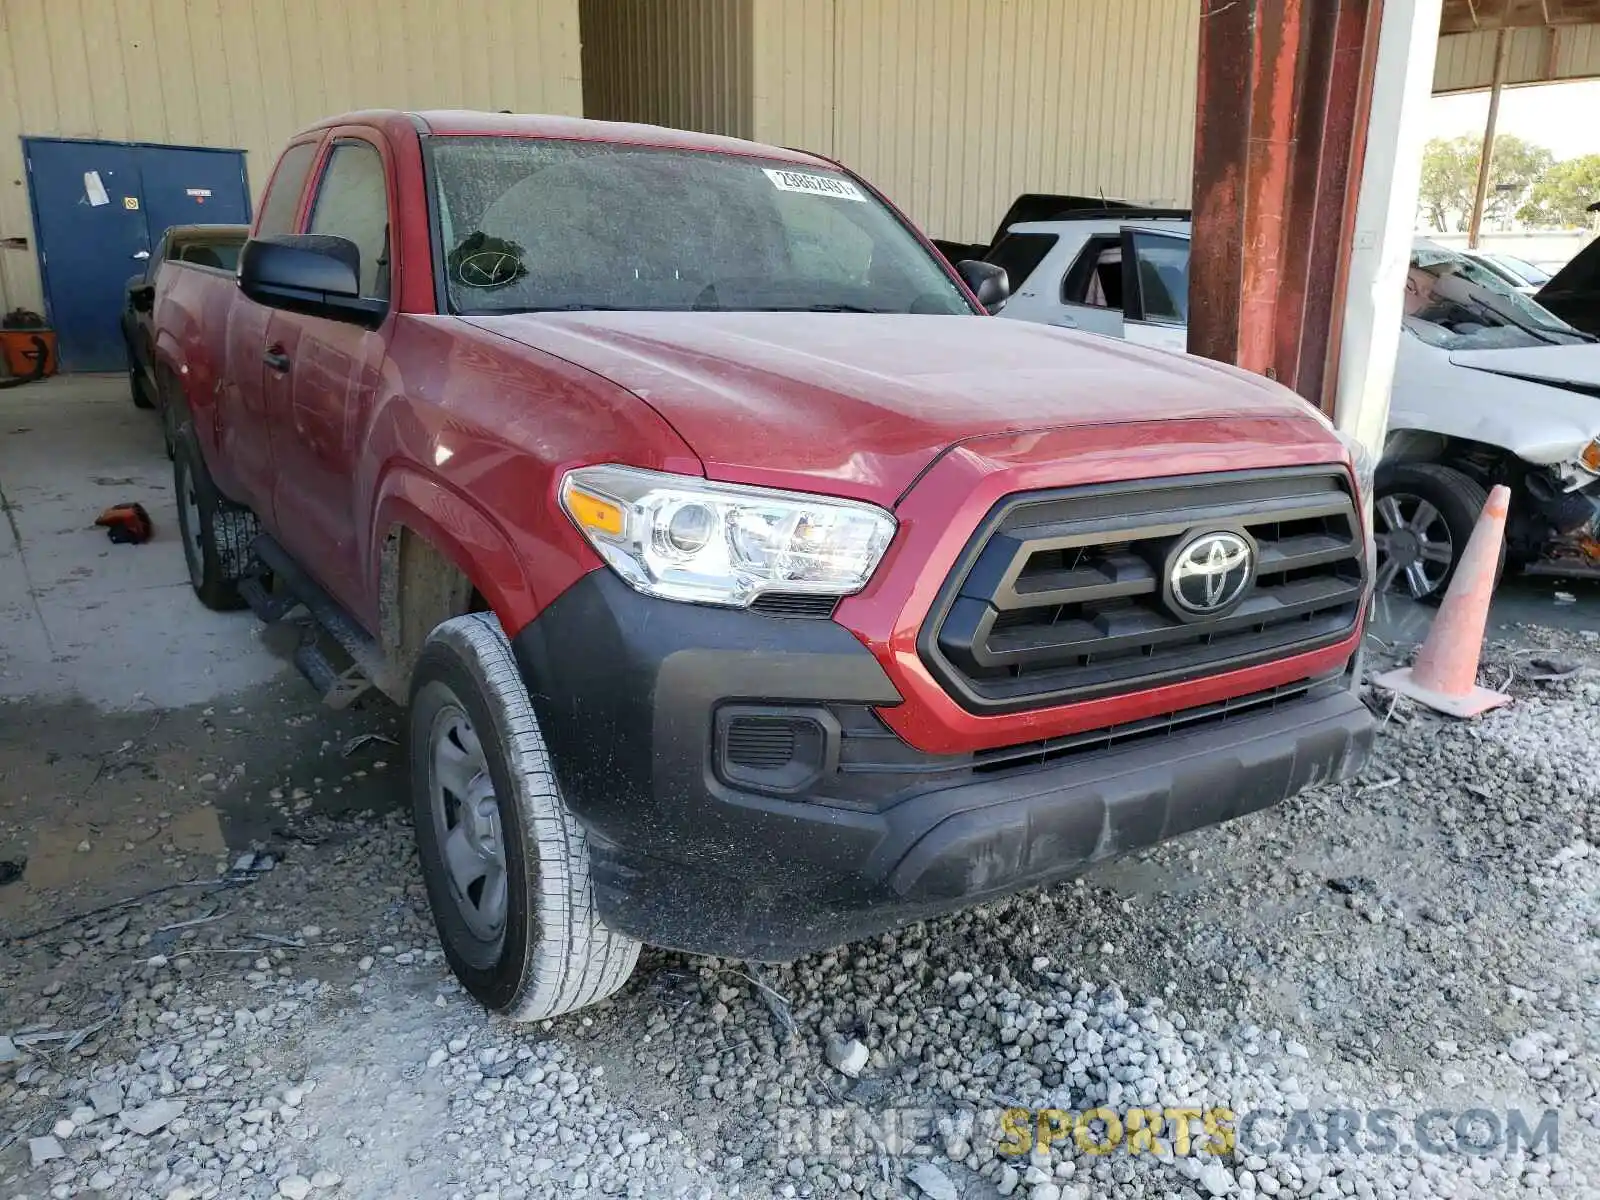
1573 293
214 247
751 590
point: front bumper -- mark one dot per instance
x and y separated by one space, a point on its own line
628 692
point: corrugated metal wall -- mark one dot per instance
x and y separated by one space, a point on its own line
684 63
1466 60
953 107
245 74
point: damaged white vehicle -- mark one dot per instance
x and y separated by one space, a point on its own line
1489 386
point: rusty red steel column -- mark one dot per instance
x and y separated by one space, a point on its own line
1285 88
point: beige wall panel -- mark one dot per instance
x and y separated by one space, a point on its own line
246 74
792 59
683 63
953 107
1466 60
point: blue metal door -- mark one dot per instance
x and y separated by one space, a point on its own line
192 187
99 209
88 211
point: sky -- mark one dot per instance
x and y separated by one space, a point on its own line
1558 115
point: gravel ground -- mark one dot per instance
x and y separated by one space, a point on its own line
278 1022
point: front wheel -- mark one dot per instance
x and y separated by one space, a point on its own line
505 864
1423 515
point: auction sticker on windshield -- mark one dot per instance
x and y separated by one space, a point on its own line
813 185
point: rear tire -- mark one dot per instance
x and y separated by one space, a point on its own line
505 863
216 532
136 388
1422 517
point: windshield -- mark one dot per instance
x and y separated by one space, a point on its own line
537 224
1458 304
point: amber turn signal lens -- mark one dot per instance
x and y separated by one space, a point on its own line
594 513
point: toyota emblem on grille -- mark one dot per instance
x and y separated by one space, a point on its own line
1210 573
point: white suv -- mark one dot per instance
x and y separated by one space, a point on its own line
1489 386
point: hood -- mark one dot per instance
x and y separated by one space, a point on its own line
1576 367
1573 293
867 401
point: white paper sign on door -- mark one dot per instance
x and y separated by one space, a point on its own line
94 189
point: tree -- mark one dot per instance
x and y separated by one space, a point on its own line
1450 177
1563 194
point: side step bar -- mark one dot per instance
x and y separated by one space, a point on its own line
297 589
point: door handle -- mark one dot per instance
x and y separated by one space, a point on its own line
275 358
142 255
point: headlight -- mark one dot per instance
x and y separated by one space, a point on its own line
1364 462
1590 457
684 538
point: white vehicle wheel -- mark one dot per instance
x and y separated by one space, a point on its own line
505 863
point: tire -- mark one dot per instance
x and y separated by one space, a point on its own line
1425 512
169 432
136 388
525 939
216 532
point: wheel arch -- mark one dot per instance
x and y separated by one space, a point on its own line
436 555
1484 462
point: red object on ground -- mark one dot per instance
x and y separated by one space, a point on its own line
126 524
22 350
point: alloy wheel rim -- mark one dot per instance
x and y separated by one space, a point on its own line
466 823
1414 545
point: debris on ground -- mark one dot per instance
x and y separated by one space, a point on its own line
126 524
1421 938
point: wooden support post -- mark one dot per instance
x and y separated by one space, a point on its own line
1502 43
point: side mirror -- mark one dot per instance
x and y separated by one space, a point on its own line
989 283
142 296
308 273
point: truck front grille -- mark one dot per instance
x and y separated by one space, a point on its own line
1068 595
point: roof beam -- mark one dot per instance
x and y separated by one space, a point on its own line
1469 16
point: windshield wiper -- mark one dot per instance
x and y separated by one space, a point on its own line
537 308
835 308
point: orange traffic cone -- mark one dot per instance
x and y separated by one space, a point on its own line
1444 675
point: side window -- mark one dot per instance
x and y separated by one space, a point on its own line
1163 264
1020 254
283 193
1095 278
353 202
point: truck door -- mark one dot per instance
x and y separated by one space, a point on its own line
329 373
1155 289
247 392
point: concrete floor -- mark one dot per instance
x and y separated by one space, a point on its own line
116 626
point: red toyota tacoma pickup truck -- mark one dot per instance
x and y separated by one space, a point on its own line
750 590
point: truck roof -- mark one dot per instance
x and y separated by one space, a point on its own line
471 122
